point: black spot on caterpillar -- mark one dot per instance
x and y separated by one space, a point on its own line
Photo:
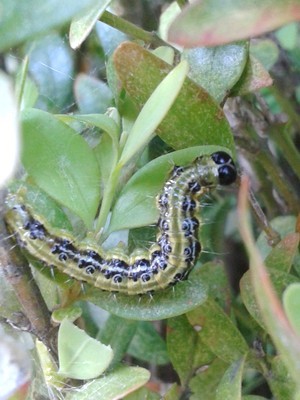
167 262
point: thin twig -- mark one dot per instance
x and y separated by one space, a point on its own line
132 30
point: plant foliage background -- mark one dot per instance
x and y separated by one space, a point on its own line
107 96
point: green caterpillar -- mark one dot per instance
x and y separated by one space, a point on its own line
167 262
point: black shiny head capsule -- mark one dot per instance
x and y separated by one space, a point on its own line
227 174
227 170
220 157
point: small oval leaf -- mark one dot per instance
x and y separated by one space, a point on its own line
80 356
230 387
217 69
194 119
153 111
21 21
112 386
163 304
210 319
82 24
61 163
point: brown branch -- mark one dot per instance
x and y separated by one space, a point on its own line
36 317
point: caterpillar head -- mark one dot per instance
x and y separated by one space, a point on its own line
215 169
226 168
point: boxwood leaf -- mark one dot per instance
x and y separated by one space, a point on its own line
21 21
82 24
61 163
80 356
164 304
217 69
211 320
283 254
112 386
153 111
230 386
194 119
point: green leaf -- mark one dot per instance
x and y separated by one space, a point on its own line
283 254
210 320
118 333
25 88
109 37
214 274
204 382
147 345
173 393
107 150
291 302
266 51
143 394
136 205
64 165
215 22
30 94
80 356
288 36
23 20
101 121
185 349
230 387
165 53
166 18
48 366
51 66
107 157
82 24
92 95
280 281
71 313
194 118
280 380
283 225
154 111
164 304
217 69
112 386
